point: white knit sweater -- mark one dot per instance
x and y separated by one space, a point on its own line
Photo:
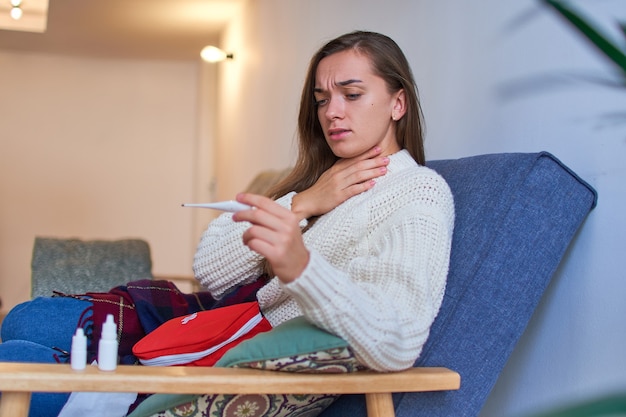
377 269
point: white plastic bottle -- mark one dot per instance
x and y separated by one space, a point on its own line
78 355
107 347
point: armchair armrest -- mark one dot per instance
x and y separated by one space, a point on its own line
19 380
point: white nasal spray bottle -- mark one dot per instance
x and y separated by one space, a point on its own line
107 347
78 354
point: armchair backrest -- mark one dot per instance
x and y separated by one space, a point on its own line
515 217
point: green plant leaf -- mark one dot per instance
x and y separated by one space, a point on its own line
612 51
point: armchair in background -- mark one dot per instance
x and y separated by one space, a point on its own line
75 266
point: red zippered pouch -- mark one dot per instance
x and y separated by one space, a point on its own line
202 338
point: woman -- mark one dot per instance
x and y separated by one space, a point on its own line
359 236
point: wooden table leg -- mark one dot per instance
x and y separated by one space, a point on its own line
379 405
14 404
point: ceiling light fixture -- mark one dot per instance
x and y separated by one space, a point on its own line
16 13
213 54
24 15
16 10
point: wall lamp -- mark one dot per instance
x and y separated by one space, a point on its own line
213 54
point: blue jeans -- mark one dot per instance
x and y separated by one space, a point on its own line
39 331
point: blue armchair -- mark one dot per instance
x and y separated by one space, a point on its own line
516 214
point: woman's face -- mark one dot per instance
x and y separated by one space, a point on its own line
354 107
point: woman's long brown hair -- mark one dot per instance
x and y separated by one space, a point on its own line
314 154
388 62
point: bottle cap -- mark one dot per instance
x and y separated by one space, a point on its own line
109 329
79 336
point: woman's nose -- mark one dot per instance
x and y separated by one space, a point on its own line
334 109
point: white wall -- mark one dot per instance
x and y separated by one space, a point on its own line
494 76
94 148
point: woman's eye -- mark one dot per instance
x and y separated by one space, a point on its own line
321 102
353 96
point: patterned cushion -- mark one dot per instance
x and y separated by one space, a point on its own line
294 346
330 361
245 405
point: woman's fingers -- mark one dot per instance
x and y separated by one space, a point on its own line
275 234
364 171
345 179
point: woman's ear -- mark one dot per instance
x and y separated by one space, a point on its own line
399 105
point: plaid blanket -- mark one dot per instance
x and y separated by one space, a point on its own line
141 306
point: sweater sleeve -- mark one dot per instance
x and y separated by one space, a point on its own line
384 303
222 261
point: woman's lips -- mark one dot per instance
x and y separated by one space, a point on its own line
338 133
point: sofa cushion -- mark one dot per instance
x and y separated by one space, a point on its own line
515 217
75 266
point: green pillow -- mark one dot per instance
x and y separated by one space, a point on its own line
293 337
